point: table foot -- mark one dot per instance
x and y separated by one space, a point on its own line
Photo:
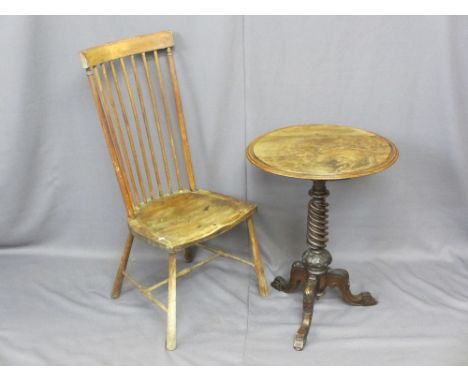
310 291
339 278
298 277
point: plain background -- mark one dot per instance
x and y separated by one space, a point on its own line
402 234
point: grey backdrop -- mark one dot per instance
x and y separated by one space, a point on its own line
402 234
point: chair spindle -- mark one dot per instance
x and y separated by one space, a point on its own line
138 127
167 116
111 129
110 145
128 129
120 132
158 122
181 119
146 123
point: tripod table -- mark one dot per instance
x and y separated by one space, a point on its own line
320 153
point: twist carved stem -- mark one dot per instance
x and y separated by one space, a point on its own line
316 258
317 217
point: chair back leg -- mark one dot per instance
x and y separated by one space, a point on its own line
171 341
188 254
116 289
262 284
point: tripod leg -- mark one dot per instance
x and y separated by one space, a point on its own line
339 278
307 311
298 276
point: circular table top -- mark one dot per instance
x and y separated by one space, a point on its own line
322 152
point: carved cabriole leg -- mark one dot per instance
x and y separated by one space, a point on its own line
298 277
307 311
262 284
116 289
188 254
171 303
339 278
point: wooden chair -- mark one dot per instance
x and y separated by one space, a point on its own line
164 205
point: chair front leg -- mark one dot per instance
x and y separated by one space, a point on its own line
171 341
262 284
117 288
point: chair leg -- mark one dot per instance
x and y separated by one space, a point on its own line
262 284
122 266
171 303
188 254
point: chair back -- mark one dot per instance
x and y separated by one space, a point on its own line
127 78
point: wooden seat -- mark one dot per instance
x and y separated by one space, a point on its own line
128 78
180 220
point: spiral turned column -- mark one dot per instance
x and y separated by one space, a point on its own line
316 258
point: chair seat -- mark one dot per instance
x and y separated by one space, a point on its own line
179 220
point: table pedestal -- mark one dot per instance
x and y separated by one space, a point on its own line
313 272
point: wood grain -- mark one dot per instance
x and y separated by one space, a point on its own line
322 152
176 221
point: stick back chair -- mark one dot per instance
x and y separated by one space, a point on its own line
164 205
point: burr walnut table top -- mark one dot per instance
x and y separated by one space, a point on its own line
322 152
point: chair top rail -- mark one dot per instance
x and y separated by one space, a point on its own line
122 48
